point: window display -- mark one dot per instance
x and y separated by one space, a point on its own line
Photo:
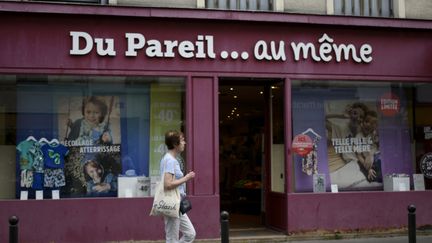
79 135
368 130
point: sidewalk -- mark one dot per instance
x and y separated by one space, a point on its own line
392 239
383 239
263 235
378 237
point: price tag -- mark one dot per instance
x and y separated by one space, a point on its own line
55 194
39 195
334 188
24 195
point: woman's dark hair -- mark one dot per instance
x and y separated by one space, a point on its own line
99 103
172 138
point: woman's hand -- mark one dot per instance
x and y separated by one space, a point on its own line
190 175
170 182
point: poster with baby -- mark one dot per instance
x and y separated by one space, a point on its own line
91 129
353 144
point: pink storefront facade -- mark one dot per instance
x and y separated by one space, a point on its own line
203 47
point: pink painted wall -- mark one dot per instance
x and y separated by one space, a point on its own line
41 42
97 220
356 210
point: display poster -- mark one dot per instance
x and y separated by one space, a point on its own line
353 149
165 115
90 127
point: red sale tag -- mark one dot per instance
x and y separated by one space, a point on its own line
389 104
302 144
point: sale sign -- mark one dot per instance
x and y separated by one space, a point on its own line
302 144
389 104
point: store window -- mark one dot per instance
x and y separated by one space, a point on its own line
85 136
361 136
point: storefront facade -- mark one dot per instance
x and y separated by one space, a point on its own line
147 70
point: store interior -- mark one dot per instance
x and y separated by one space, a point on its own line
241 126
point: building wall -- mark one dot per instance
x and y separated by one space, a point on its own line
381 211
418 9
156 3
412 9
308 6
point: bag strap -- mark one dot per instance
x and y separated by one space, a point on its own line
163 168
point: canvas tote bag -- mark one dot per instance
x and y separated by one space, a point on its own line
165 202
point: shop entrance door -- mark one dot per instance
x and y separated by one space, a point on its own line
247 174
276 189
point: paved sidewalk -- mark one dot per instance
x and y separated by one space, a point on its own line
263 235
389 239
392 239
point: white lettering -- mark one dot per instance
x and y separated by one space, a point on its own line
154 49
389 104
203 47
170 45
365 52
109 49
210 46
260 51
346 49
200 47
186 49
280 54
327 47
135 41
305 48
76 36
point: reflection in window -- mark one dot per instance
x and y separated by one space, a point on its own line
366 129
78 134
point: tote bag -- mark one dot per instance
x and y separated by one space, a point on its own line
165 202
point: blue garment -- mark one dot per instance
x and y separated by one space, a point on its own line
109 179
31 156
171 165
26 159
38 181
54 155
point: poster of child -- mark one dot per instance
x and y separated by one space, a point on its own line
353 144
91 129
98 182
